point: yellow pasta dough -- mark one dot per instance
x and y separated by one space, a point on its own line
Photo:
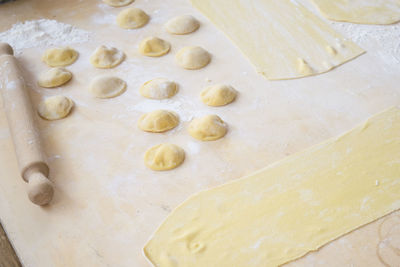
360 11
54 77
192 57
59 57
55 107
107 86
208 128
182 25
106 57
218 95
289 208
164 157
132 18
282 39
158 121
154 47
118 3
159 88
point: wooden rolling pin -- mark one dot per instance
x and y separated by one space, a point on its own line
20 115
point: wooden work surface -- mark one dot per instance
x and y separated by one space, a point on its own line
107 203
8 258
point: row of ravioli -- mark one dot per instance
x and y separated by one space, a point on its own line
162 156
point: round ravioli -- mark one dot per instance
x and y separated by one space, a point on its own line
55 107
158 121
132 18
164 157
208 128
59 57
106 57
54 77
218 95
107 86
159 88
193 57
154 47
118 3
182 25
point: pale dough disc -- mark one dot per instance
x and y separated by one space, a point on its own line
218 95
164 157
159 88
360 11
158 121
107 86
106 57
182 25
118 3
154 47
59 57
132 18
55 107
289 208
208 128
54 77
192 57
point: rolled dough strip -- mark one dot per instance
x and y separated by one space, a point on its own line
281 38
360 11
289 208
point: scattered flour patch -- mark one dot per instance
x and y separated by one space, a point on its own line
53 158
104 19
384 37
42 33
185 112
11 85
194 148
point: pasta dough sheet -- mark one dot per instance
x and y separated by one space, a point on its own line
290 208
281 38
360 11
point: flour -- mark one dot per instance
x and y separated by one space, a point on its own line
183 107
42 33
384 37
194 147
12 85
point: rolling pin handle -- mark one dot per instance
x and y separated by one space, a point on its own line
6 49
40 189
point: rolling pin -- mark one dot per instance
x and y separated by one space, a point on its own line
20 115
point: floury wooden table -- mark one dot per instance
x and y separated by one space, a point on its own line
106 208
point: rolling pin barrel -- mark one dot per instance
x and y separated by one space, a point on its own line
20 115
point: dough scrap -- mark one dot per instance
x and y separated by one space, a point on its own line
289 208
132 18
154 47
218 95
192 57
54 77
208 128
158 121
159 88
164 157
275 35
360 11
55 107
106 57
182 25
107 86
118 3
59 57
